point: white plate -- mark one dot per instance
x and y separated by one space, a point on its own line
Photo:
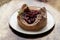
13 23
50 21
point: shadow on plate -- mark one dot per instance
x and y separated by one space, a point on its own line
28 36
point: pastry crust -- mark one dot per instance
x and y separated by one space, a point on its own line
39 23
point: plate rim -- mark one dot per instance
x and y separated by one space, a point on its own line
25 33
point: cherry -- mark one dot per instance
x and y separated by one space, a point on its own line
30 16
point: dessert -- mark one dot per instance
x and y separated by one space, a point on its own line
32 18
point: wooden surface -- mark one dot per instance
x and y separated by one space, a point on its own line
7 10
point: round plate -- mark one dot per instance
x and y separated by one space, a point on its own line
28 34
14 24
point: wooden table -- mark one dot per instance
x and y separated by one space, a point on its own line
8 9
